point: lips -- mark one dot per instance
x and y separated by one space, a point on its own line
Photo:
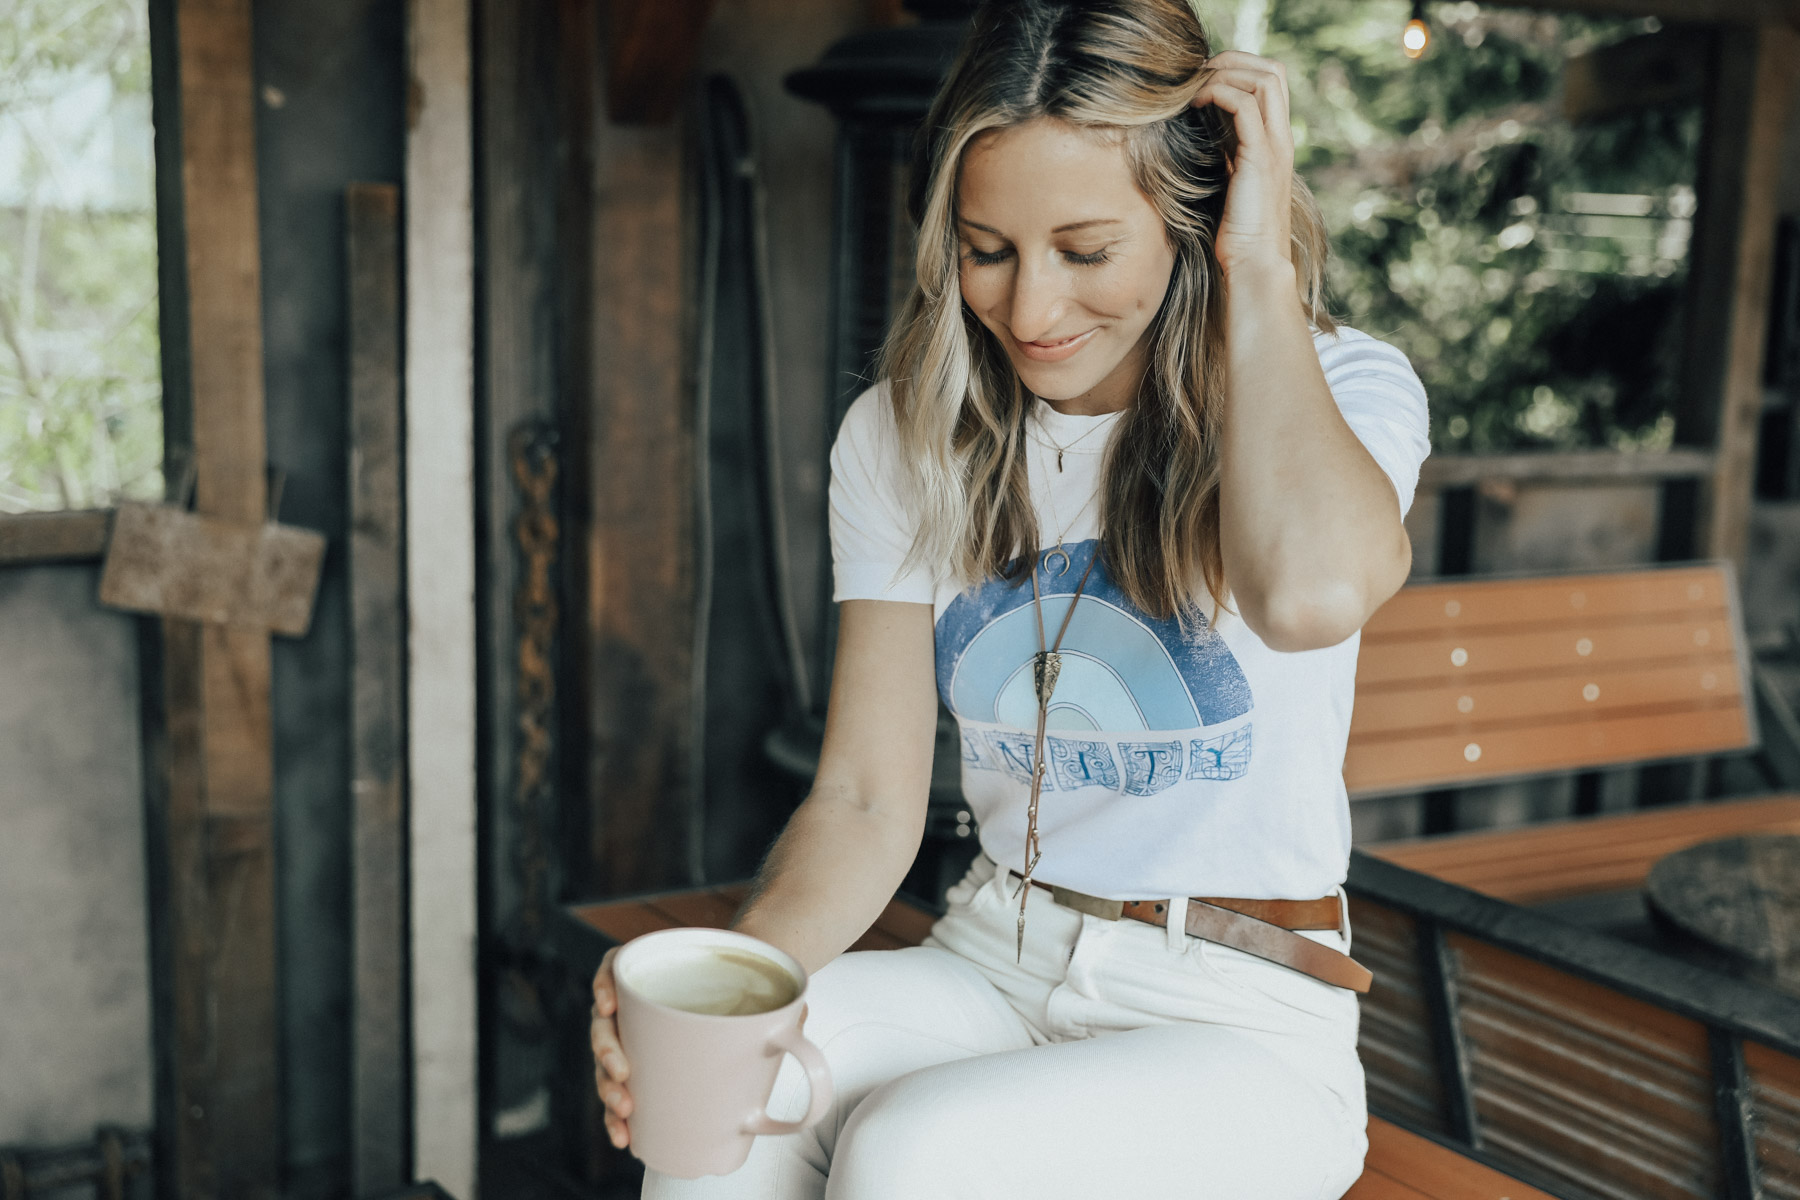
1054 351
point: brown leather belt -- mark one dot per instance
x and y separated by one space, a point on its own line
1259 927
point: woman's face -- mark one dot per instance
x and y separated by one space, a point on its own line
1063 259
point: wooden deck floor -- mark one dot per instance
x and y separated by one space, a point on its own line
1401 1165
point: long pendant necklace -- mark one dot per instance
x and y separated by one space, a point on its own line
1046 667
1060 550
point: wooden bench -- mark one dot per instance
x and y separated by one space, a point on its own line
1475 680
1471 681
1559 1051
1401 1165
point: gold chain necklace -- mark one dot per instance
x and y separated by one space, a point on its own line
1046 667
1059 447
1060 550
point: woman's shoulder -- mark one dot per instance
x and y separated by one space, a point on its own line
868 424
1348 353
1345 340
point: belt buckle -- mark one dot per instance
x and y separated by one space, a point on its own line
1094 906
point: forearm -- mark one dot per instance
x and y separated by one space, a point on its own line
1309 524
830 874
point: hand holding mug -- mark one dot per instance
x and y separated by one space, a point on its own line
707 1015
610 1066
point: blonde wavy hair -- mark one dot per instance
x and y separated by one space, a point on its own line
1125 69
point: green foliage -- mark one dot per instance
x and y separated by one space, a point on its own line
80 386
1530 269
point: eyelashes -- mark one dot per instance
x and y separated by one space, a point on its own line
976 258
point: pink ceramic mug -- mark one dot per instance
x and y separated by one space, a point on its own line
702 1068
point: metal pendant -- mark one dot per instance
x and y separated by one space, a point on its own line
1059 552
1046 666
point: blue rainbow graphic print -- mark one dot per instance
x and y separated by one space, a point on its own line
1123 673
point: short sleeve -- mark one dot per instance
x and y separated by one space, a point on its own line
1382 401
871 533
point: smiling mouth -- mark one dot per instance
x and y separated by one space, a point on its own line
1055 351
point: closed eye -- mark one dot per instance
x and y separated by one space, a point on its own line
993 258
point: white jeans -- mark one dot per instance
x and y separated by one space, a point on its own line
1115 1062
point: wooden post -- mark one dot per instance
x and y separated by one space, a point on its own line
1748 106
378 1132
440 589
213 786
641 557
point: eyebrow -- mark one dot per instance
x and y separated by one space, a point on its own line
1069 228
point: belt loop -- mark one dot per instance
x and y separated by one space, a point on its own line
1344 916
1178 924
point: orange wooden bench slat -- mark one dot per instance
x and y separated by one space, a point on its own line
705 908
622 920
905 922
1474 603
1428 1169
1565 858
1542 697
1373 1185
1514 653
1643 825
900 924
1405 764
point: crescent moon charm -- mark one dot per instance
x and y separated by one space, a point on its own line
1059 552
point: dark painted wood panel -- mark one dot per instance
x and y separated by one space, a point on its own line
1580 1082
1394 1041
651 48
1775 1119
641 559
377 700
1754 71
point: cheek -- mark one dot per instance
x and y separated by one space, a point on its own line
981 293
1134 292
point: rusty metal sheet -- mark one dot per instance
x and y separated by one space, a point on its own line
176 563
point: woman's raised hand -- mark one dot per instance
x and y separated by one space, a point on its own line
1258 218
610 1068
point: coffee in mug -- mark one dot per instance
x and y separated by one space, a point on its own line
705 1017
716 980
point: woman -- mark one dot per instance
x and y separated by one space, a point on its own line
1125 497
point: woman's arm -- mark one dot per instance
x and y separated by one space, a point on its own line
846 848
1309 524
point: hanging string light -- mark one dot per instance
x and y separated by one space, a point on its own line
1417 34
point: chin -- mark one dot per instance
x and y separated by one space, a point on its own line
1057 381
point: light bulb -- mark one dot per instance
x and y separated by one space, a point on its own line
1415 37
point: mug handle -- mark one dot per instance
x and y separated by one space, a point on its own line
818 1079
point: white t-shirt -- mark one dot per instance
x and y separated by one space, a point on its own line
1197 763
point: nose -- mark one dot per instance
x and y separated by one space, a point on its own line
1038 302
